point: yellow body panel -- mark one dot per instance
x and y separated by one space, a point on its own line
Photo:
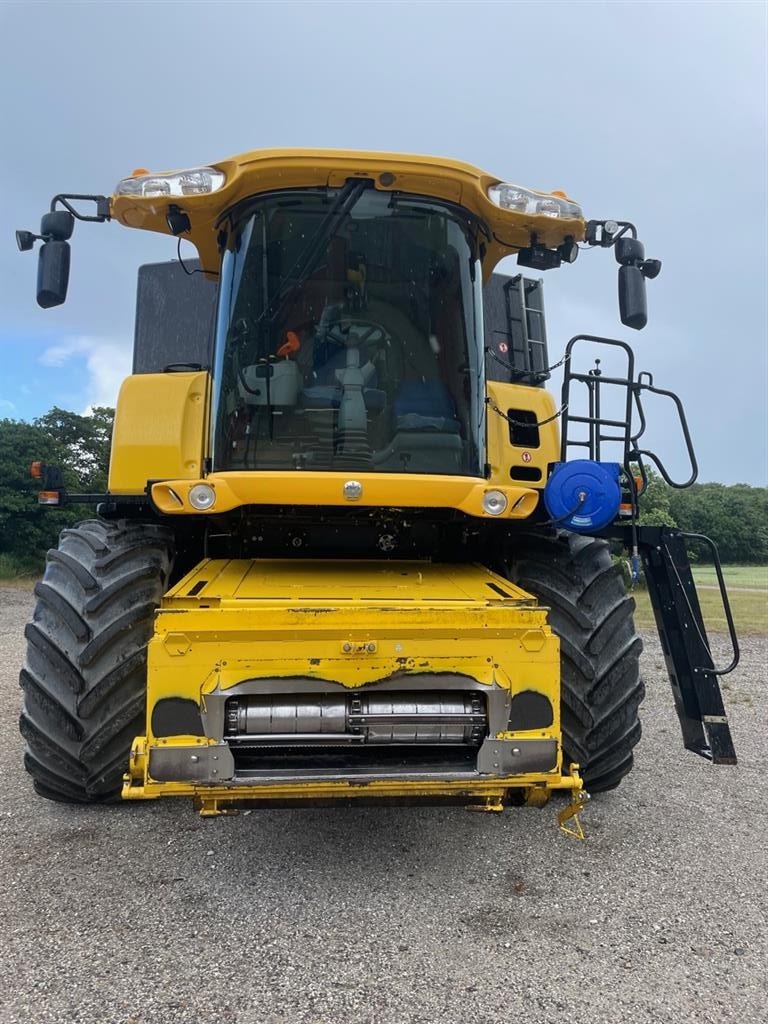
161 427
347 625
379 490
408 610
266 170
171 444
502 455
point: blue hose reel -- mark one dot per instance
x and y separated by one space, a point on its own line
583 496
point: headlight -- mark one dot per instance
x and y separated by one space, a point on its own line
195 182
202 497
539 204
494 503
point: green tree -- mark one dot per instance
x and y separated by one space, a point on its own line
87 441
77 444
656 502
735 518
27 529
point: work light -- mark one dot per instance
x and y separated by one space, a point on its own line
494 503
539 204
202 497
194 182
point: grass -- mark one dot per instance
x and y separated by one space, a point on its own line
14 569
751 576
749 607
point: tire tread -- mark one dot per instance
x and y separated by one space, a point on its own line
84 676
601 688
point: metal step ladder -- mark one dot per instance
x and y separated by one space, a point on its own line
663 550
691 669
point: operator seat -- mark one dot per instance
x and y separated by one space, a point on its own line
427 435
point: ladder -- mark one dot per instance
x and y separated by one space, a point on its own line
663 550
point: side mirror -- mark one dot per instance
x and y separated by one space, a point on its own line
633 306
57 225
53 274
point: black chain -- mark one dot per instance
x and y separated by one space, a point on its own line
560 362
522 373
519 423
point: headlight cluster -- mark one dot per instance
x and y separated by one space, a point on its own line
194 182
538 204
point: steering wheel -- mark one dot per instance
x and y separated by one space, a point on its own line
359 333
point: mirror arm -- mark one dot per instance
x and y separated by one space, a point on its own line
102 206
604 233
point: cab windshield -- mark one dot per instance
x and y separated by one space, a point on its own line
349 335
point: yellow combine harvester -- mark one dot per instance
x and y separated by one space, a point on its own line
343 552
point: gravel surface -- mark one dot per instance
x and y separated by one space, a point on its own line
148 914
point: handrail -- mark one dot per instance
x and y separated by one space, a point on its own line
594 379
726 604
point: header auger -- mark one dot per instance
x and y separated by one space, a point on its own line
344 552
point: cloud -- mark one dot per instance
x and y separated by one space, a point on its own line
107 363
6 406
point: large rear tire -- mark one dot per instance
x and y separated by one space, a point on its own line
601 689
85 674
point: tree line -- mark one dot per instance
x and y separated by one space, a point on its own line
735 517
80 446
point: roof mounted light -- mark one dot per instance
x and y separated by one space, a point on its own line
194 182
536 204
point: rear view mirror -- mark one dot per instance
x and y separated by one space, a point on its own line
53 274
57 225
632 300
56 229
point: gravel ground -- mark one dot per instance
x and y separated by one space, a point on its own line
148 914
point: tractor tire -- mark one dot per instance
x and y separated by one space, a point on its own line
601 688
85 673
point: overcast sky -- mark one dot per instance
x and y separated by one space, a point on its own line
654 113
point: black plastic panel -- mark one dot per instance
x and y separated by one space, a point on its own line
175 314
523 428
530 710
176 716
515 330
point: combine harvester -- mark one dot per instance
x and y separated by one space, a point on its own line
344 552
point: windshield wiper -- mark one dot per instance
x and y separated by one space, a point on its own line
306 263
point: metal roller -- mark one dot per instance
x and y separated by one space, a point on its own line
254 716
376 718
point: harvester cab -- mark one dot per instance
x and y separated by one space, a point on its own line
345 550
